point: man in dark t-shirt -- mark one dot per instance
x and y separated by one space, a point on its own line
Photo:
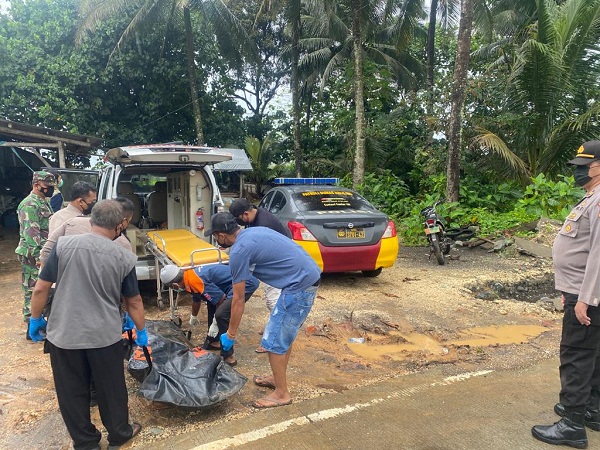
249 215
83 332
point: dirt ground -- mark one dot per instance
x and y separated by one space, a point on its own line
414 316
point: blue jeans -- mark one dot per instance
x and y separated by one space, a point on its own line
287 317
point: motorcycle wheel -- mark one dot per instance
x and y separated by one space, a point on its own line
445 245
435 246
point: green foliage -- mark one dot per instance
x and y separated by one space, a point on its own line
553 199
141 96
544 106
384 190
410 225
478 192
260 157
492 223
260 67
493 208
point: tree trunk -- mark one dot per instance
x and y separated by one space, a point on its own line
459 83
191 63
295 85
430 50
359 157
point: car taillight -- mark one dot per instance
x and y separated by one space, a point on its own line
390 231
299 232
430 221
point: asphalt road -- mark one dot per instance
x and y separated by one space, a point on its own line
427 411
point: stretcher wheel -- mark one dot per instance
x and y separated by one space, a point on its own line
161 304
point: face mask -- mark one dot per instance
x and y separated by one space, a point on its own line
177 287
581 175
88 209
60 183
48 192
224 244
118 231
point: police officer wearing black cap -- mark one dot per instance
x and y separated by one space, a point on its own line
576 258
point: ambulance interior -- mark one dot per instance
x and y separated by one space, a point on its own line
165 199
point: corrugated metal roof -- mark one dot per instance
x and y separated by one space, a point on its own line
239 162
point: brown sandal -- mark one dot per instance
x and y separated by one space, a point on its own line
263 382
267 402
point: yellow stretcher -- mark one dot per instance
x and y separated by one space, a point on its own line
183 249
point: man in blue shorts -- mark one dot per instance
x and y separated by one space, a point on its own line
279 262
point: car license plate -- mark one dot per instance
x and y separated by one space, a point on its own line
355 233
432 230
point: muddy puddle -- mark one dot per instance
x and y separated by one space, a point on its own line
399 346
530 289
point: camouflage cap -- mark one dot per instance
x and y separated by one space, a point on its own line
44 176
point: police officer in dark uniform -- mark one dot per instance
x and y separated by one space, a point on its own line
577 265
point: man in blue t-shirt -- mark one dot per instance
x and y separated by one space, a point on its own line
249 215
280 262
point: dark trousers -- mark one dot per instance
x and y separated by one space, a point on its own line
73 371
579 355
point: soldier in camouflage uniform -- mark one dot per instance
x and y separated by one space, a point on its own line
34 213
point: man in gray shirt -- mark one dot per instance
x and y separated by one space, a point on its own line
84 328
577 265
81 201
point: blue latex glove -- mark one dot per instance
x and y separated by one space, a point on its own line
128 323
226 343
35 328
141 337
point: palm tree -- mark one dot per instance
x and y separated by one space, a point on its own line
554 67
260 157
150 14
355 30
459 83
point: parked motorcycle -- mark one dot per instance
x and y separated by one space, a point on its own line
439 243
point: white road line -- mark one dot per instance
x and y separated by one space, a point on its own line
319 416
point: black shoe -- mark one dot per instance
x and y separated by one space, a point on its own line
567 431
207 345
592 421
136 428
